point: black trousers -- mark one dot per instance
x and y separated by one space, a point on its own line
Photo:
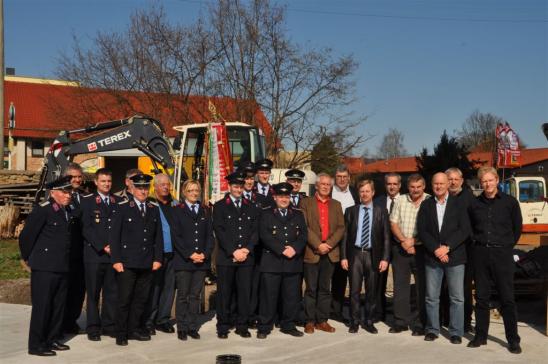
189 292
76 292
380 306
48 292
273 287
361 270
403 265
468 279
162 294
233 280
133 290
317 294
101 277
255 292
495 265
338 289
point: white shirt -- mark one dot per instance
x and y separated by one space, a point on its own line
344 197
388 201
440 210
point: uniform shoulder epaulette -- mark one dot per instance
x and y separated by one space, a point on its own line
153 203
297 209
88 195
123 202
266 208
45 203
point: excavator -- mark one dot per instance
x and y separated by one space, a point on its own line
139 132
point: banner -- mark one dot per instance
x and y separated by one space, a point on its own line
219 163
508 152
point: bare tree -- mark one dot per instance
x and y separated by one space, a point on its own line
392 145
478 131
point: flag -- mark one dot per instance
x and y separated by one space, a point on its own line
508 152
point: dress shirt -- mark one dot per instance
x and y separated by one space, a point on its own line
440 210
363 209
344 197
323 212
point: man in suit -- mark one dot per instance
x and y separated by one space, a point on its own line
136 252
364 253
347 195
392 186
262 188
45 244
443 228
283 232
496 227
408 258
98 210
76 281
325 227
235 222
249 172
295 178
466 197
162 294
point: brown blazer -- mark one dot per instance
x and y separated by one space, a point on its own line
336 229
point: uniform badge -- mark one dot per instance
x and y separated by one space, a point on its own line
55 207
97 218
274 230
98 199
112 199
131 203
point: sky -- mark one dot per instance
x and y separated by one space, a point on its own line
424 65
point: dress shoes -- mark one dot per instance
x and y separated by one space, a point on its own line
477 343
514 348
309 328
430 336
42 352
397 329
150 330
194 334
222 335
370 328
353 328
261 335
94 336
455 339
293 332
139 336
167 328
324 326
121 341
417 332
243 333
181 335
57 346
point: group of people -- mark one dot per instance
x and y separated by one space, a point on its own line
139 254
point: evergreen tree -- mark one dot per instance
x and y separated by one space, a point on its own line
325 156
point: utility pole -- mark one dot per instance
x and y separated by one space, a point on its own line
2 70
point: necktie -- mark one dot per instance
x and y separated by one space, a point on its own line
65 210
106 201
264 190
194 211
75 197
248 195
237 203
283 212
142 208
365 229
391 204
294 198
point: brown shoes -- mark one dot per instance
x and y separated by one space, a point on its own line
324 326
309 328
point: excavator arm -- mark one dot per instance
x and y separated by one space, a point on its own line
142 133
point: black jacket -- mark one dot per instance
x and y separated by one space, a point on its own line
235 230
45 241
136 241
380 235
262 200
276 233
455 229
97 219
191 233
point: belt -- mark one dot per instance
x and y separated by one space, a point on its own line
362 249
168 255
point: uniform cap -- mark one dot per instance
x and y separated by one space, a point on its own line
141 180
264 164
236 178
248 168
283 188
62 183
295 174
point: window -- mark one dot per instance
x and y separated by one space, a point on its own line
37 148
531 191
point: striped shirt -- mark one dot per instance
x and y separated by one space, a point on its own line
405 213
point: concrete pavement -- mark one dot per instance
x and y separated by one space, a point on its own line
340 347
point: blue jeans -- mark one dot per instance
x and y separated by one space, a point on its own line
455 278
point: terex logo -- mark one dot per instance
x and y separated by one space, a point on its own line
92 147
115 138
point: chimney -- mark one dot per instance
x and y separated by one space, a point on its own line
10 71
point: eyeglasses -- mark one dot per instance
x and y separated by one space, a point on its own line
77 176
344 177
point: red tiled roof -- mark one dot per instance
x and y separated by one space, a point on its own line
409 164
43 109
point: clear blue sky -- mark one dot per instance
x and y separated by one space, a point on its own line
425 65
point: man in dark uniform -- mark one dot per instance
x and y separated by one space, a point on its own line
45 246
126 192
235 224
136 251
496 227
262 188
295 179
283 232
98 210
76 280
249 171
